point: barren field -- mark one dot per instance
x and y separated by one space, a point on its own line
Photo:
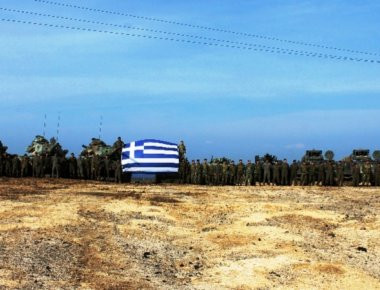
62 234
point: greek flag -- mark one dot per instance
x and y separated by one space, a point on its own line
150 156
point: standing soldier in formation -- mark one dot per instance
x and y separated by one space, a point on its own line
377 174
15 166
267 168
118 146
304 174
107 167
192 172
25 166
258 173
232 173
118 171
80 168
355 168
56 166
225 173
329 174
239 173
321 173
182 150
367 171
340 173
95 167
205 172
285 172
248 173
72 166
293 173
276 173
312 173
198 172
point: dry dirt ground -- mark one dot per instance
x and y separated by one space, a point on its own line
62 234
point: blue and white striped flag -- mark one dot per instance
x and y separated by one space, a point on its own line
150 156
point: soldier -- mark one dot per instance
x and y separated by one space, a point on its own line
285 173
355 171
377 174
87 166
193 172
95 167
198 172
182 150
232 173
46 164
118 146
304 174
25 166
225 173
205 172
293 172
312 172
248 173
15 166
340 173
1 163
35 166
276 173
118 171
107 167
321 174
218 173
239 173
258 173
267 168
80 167
56 166
367 171
72 166
329 174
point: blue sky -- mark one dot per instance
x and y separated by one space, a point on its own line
221 101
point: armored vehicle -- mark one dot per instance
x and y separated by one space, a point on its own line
360 155
99 148
313 156
376 155
3 149
41 146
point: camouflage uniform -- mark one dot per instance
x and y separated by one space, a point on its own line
118 171
15 166
312 173
258 173
377 174
232 173
205 172
355 171
72 166
95 166
56 166
239 173
267 168
80 167
367 171
193 173
304 174
107 167
225 173
329 174
276 173
25 166
198 172
340 174
248 173
321 174
285 173
293 173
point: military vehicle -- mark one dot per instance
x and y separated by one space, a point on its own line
41 146
313 156
220 160
266 157
376 155
359 156
99 148
3 149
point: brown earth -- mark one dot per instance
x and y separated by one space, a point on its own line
64 234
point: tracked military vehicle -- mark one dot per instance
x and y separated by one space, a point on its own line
3 149
41 146
359 156
313 156
99 148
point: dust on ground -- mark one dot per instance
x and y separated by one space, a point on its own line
65 234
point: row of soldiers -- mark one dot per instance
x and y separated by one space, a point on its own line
84 167
327 173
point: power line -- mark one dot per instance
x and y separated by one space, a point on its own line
155 31
296 53
205 27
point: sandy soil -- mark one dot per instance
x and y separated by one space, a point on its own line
62 234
